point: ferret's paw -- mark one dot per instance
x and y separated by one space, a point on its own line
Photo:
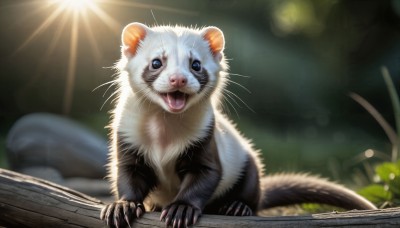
121 213
180 215
236 208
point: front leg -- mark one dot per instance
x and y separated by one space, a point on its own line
132 180
196 190
200 172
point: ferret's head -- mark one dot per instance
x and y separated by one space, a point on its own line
173 67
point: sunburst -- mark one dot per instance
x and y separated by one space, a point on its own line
85 13
74 5
74 11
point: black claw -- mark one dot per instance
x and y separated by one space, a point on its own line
180 215
121 213
127 214
245 211
235 208
189 215
103 212
163 214
222 210
139 210
196 216
231 207
239 207
110 211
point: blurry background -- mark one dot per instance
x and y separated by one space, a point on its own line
298 58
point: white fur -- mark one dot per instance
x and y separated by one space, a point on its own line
142 118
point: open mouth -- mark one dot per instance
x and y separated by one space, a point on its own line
176 101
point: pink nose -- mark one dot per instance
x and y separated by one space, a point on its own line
177 81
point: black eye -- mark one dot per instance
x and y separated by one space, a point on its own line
196 65
156 64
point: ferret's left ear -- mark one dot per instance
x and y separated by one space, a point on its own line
215 39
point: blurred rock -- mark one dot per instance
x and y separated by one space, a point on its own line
92 187
48 140
43 172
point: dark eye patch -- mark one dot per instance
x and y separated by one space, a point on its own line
199 73
153 70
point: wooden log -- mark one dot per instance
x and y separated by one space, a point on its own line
31 202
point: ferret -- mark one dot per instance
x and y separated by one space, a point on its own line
175 151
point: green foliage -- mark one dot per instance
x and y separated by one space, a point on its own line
386 192
376 193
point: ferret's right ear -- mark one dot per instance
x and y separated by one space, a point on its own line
132 35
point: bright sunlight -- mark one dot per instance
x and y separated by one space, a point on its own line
75 5
71 18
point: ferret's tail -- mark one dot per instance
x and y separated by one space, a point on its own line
288 189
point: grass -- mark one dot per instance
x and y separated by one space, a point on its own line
383 189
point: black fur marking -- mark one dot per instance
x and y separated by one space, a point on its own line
200 172
201 76
149 75
133 173
243 198
135 179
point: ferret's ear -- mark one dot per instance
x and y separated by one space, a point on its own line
215 39
131 37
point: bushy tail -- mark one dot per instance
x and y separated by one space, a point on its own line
288 189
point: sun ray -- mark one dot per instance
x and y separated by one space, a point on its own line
107 19
33 9
69 87
149 6
20 4
94 47
49 51
53 16
57 36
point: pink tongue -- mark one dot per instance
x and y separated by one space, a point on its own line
176 100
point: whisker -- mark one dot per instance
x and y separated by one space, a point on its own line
154 17
113 84
234 100
227 100
240 75
113 94
155 20
230 92
106 83
224 106
240 85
